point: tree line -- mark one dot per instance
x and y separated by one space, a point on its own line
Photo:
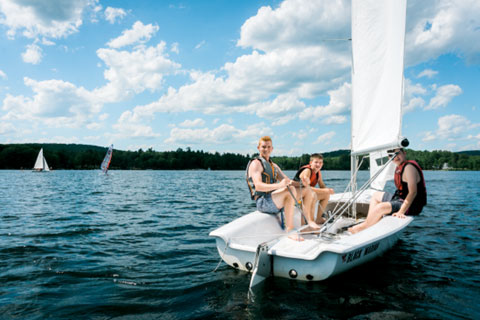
77 157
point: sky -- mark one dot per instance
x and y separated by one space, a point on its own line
217 75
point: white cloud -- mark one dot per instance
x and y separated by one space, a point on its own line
429 73
128 126
451 128
334 112
444 95
411 99
33 54
139 33
174 47
297 23
7 128
132 72
222 134
201 44
192 123
112 14
433 29
325 138
53 18
3 75
55 102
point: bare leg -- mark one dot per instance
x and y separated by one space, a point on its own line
283 199
376 211
310 198
323 196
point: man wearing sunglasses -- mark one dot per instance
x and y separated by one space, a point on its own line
409 198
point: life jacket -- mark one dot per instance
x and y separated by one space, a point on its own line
313 177
269 175
402 188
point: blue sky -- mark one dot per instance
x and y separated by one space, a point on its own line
217 75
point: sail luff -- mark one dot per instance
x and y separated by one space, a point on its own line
378 36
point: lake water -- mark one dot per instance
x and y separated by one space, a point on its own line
135 245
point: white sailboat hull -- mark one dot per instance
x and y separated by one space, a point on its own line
315 259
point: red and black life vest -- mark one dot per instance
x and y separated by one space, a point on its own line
269 175
420 199
313 177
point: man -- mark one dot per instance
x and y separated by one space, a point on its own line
409 199
310 175
271 189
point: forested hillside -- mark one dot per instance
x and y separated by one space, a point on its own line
76 156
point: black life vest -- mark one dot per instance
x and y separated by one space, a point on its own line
313 176
269 175
402 188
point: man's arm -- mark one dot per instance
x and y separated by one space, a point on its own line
321 184
305 177
411 177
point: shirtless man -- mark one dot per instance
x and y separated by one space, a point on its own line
271 189
409 199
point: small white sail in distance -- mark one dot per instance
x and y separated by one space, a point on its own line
106 161
41 163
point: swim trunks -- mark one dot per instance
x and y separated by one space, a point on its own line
394 200
265 204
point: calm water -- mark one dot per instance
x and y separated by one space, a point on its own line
135 245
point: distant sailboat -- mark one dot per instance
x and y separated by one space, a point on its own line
106 161
41 163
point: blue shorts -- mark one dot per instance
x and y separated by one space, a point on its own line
394 200
265 204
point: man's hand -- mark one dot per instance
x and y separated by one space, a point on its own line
399 214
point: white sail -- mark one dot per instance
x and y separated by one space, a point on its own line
41 162
378 36
106 161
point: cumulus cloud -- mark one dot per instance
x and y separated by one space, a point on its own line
132 72
129 126
451 127
112 14
297 23
33 54
7 128
325 138
52 19
55 102
411 96
139 33
334 112
433 29
3 75
192 123
429 73
223 134
444 95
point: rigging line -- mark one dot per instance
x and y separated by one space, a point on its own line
349 187
358 193
221 256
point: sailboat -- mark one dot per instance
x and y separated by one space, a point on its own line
41 164
256 242
106 161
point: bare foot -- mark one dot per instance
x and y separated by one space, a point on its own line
352 230
296 237
313 225
320 221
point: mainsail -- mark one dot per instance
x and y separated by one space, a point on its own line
41 163
378 37
106 161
